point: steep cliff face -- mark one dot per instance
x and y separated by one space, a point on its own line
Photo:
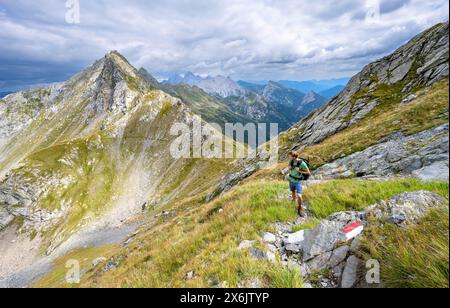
384 83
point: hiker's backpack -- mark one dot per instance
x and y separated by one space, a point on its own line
298 164
306 177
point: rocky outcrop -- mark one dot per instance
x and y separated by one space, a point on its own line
334 244
420 63
227 182
406 208
18 110
424 155
322 239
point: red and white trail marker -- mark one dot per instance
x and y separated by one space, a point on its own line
353 230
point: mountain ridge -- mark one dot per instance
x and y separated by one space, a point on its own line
96 148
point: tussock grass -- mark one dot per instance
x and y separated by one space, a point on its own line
416 257
203 239
354 195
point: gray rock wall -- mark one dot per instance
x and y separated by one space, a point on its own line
424 155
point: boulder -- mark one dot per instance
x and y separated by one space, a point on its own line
328 260
322 239
348 217
339 255
263 255
296 238
258 254
320 262
293 248
354 248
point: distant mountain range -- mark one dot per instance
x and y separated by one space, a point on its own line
316 86
219 86
271 102
325 88
221 100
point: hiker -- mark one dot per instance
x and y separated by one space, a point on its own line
298 171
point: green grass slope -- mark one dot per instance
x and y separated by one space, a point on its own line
203 239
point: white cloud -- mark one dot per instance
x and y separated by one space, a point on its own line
258 39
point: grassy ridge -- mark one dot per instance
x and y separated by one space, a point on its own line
204 240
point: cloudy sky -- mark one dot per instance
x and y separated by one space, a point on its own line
244 39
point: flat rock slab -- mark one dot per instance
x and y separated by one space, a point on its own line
322 239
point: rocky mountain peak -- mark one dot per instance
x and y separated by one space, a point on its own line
115 62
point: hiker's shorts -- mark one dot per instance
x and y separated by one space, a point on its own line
296 187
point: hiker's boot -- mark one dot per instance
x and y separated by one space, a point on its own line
302 213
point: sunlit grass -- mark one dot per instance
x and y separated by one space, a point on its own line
417 257
85 257
203 239
354 195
